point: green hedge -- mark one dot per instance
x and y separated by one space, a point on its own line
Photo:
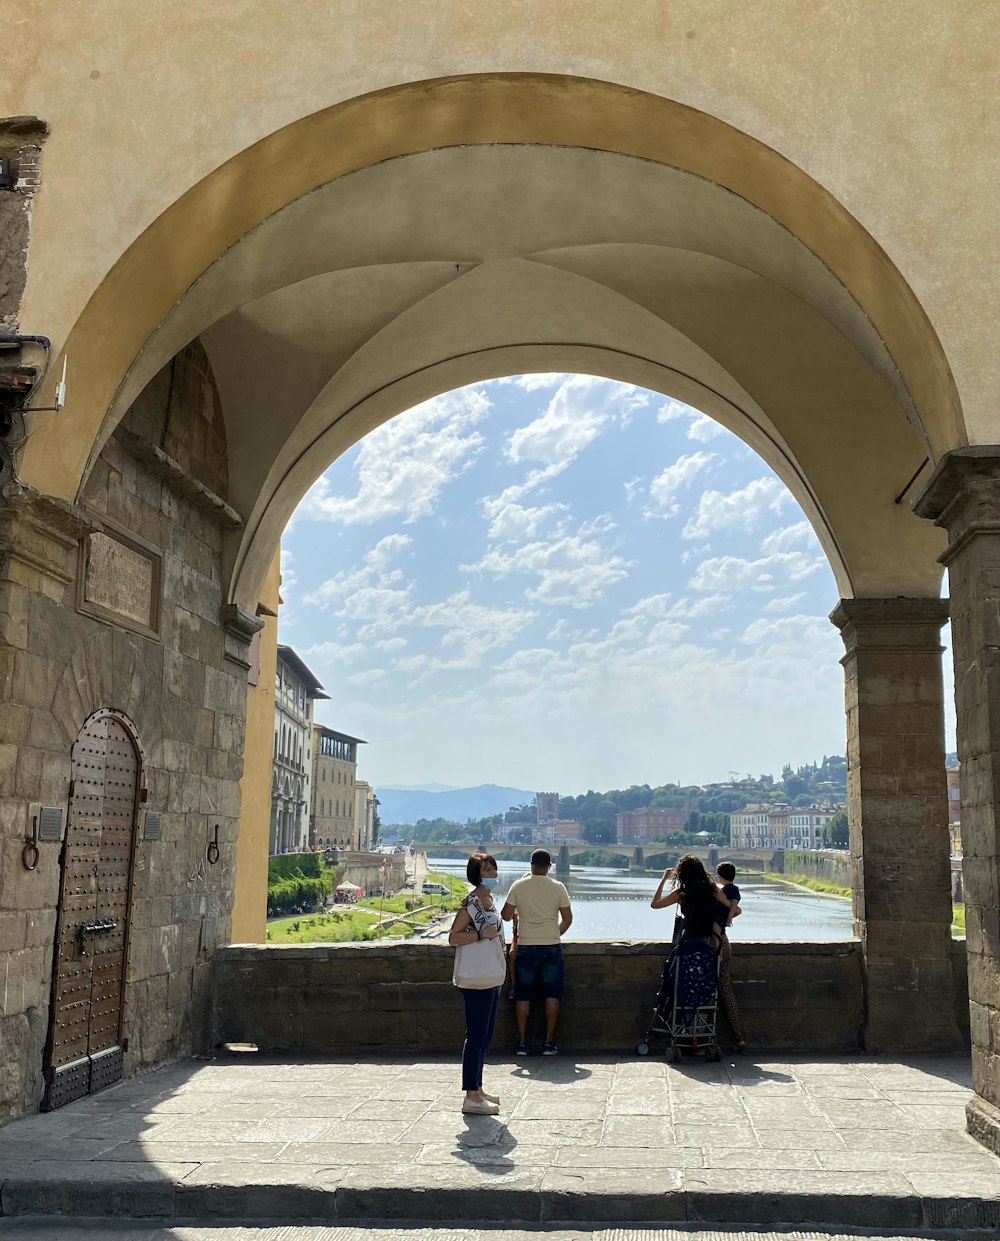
296 882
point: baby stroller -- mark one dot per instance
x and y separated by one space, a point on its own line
687 1001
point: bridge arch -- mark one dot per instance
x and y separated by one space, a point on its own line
565 223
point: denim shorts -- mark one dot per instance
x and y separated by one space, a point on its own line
538 964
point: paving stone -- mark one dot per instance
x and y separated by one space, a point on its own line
628 1194
234 1190
556 1132
371 1154
751 1157
757 1196
806 1149
630 1157
441 1193
554 1107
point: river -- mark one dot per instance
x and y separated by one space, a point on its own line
613 904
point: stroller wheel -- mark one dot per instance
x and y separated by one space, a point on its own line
642 1048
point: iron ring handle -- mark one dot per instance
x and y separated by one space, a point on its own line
30 855
212 853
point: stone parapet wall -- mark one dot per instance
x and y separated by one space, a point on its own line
344 998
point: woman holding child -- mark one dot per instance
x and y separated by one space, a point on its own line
707 910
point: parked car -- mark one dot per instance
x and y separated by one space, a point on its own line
434 889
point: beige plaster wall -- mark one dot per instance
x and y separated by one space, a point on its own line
886 105
250 888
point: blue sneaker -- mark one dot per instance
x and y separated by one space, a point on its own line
522 1049
550 1049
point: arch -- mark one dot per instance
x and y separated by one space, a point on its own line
179 247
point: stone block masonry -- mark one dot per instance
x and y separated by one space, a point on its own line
174 671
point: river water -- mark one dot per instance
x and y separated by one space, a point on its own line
612 904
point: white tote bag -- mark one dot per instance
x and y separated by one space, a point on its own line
481 964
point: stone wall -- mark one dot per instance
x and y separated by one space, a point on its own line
345 998
181 683
833 867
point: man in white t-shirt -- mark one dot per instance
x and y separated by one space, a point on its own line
543 917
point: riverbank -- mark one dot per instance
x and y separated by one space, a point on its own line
397 917
823 887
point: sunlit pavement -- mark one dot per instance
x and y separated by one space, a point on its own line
849 1142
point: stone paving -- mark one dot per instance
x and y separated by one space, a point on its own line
867 1143
121 1230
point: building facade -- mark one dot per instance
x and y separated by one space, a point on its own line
763 826
638 827
295 691
546 807
953 776
332 819
365 806
806 825
748 828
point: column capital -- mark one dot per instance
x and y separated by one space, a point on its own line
891 624
963 495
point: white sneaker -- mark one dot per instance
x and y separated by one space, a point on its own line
491 1098
480 1107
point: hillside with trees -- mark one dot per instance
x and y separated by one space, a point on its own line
706 807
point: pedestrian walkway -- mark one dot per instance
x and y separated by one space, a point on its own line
120 1230
863 1143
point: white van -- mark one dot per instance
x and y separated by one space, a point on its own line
434 889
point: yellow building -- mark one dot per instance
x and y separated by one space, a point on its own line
334 777
250 890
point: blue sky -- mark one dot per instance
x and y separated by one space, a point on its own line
562 582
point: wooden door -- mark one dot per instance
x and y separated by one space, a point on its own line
84 1050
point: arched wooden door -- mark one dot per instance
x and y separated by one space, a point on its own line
84 1050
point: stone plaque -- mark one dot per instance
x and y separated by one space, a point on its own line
121 581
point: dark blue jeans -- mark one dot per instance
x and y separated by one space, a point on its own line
480 1020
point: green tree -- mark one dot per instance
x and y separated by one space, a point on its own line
836 834
598 831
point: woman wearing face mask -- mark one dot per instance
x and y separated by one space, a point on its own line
476 920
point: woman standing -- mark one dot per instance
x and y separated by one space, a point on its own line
704 907
477 921
706 912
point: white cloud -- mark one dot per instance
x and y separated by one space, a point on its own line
700 428
703 429
580 409
730 573
691 609
570 569
288 577
664 489
512 523
783 604
403 466
741 509
374 594
790 536
791 633
673 410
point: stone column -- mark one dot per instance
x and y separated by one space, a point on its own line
963 496
898 811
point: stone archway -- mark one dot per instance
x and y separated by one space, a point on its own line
579 225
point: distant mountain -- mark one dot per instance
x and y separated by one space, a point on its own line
401 805
419 788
